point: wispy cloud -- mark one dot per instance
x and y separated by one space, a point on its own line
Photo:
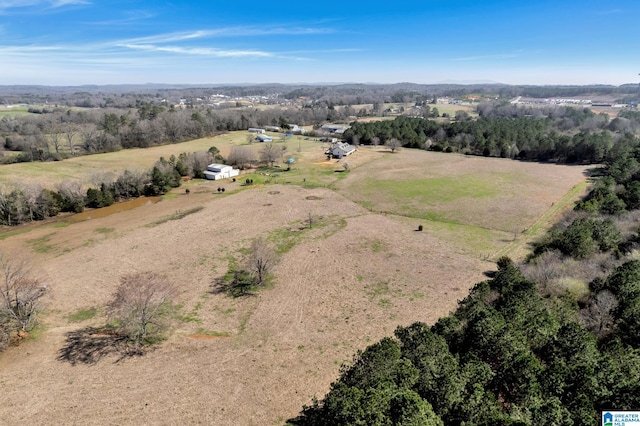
324 51
229 32
10 4
36 6
485 57
60 3
128 17
203 51
610 12
26 50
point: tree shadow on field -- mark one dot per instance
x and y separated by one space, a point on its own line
89 345
236 283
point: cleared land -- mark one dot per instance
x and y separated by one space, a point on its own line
359 272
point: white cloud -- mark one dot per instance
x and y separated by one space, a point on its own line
37 6
228 32
205 51
484 57
129 16
610 12
60 3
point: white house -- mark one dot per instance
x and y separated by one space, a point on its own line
341 149
254 130
264 138
220 171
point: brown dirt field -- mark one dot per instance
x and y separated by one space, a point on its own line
348 282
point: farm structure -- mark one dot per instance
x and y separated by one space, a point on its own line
264 138
334 128
340 149
255 130
220 171
272 128
294 128
327 139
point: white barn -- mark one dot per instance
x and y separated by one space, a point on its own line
220 171
254 130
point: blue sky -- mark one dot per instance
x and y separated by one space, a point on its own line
74 42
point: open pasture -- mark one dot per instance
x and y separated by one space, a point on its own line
352 278
491 193
84 168
12 111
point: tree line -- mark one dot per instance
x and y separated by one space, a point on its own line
562 134
26 203
62 133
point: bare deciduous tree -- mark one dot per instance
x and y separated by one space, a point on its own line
70 131
598 315
241 156
270 152
261 260
393 144
139 307
20 293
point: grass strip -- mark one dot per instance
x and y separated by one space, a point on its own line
176 216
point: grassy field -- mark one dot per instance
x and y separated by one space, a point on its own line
8 112
361 270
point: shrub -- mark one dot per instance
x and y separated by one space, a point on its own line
20 294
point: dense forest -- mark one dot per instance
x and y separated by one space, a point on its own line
552 341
